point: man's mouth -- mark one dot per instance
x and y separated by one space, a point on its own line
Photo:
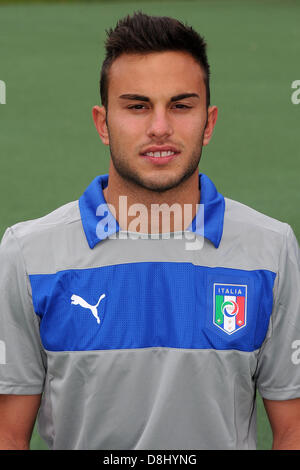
160 155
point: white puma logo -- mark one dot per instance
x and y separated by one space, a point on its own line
76 300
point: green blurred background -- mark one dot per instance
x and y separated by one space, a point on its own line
50 59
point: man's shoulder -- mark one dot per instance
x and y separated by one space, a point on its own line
37 242
55 220
238 213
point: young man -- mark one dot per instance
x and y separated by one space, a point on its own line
129 333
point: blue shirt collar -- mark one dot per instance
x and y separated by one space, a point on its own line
99 222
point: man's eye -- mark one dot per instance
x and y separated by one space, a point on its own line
136 106
181 106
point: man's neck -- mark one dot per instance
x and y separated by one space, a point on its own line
140 210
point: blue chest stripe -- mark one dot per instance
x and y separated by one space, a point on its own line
149 304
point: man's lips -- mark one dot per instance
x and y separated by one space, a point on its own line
160 154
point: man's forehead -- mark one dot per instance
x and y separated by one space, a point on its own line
132 58
177 71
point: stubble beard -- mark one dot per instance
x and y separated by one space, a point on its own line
129 174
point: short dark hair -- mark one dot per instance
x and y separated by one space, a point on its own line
143 34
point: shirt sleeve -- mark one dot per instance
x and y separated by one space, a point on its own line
278 371
22 360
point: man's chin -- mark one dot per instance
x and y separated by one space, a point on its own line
160 187
159 184
158 181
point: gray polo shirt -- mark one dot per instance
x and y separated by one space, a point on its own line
142 342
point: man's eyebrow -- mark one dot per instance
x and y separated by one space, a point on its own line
182 96
130 96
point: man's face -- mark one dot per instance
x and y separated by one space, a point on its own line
156 118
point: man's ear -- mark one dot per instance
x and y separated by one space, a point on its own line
212 115
99 117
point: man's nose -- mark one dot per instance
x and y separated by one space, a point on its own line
159 125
